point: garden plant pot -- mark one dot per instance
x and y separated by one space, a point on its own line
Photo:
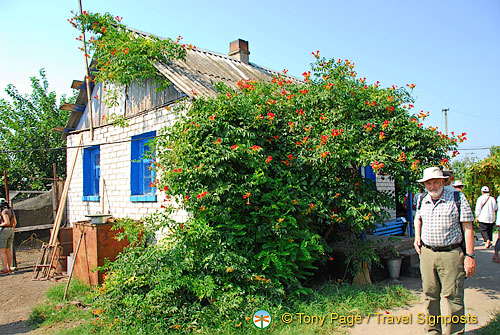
394 266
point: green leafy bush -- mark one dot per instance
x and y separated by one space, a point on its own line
275 167
193 282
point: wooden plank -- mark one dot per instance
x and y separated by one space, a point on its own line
77 84
40 261
62 203
390 228
72 266
33 228
137 99
72 108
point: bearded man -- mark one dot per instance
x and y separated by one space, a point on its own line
438 241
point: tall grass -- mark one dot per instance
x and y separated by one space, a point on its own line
343 300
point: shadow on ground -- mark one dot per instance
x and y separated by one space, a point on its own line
18 327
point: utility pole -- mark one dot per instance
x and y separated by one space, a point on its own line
445 110
87 78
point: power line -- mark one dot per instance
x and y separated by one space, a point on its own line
478 148
478 116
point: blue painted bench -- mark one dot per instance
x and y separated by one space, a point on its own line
394 227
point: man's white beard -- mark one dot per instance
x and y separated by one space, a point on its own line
436 194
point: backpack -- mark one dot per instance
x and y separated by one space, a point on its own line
458 203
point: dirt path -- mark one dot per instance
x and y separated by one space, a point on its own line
482 298
19 294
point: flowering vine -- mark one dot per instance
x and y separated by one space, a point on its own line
122 55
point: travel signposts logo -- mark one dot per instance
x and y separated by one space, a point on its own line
262 319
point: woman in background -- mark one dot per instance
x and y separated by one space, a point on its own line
7 224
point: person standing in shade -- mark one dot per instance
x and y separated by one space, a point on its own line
7 225
486 206
440 229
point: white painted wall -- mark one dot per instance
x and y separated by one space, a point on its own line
386 183
115 169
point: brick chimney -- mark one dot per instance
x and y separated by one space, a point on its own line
239 50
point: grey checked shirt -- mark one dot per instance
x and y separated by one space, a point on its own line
440 223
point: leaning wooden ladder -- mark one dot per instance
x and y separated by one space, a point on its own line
45 267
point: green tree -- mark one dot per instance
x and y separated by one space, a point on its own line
484 173
30 146
460 166
275 166
494 150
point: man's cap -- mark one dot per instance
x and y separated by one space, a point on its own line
2 200
457 183
432 173
485 189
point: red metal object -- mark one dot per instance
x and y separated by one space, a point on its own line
98 244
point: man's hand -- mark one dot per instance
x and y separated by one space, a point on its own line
417 244
469 266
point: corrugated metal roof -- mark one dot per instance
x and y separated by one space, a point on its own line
202 69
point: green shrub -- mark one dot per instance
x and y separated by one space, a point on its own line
191 283
276 166
269 174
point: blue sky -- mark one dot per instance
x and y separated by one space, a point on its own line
449 49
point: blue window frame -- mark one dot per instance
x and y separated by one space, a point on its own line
91 173
370 174
142 172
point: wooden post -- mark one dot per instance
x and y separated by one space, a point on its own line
73 265
87 79
62 203
103 195
56 184
6 187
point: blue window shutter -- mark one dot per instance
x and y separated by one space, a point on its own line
91 171
370 174
140 175
87 168
135 169
96 167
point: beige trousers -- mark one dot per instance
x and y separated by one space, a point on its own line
443 277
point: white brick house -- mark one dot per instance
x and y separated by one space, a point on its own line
108 178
